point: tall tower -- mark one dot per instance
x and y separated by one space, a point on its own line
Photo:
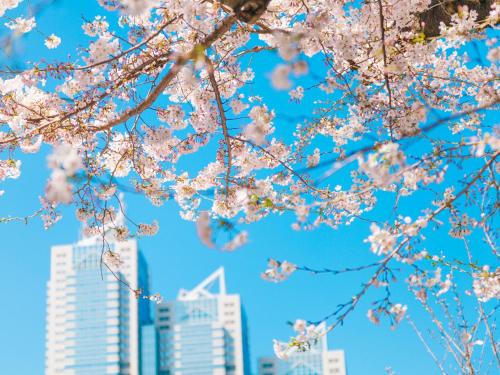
94 320
316 361
204 331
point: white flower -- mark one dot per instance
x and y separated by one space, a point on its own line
307 337
137 7
261 125
106 192
7 4
297 94
156 298
121 233
313 160
239 240
300 325
279 77
98 26
112 259
58 190
204 229
103 47
237 106
30 147
148 229
174 116
278 271
52 41
399 311
445 286
282 350
382 242
65 156
9 169
373 317
486 285
21 25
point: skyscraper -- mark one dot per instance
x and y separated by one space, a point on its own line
94 320
204 331
317 361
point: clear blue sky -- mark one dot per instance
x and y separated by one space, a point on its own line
177 259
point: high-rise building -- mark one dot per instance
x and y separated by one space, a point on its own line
94 320
316 361
203 332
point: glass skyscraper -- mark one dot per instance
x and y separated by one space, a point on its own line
94 320
203 332
97 326
317 361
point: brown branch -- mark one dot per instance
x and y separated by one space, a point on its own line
384 53
223 120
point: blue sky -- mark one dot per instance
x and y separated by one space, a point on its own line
177 259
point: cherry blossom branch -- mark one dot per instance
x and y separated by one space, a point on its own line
427 348
338 271
223 121
182 60
350 306
384 53
351 156
24 219
482 314
288 168
131 49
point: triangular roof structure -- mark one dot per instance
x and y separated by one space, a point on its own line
205 289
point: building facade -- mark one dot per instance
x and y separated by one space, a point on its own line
94 321
203 332
317 361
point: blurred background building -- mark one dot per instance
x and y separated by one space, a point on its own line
204 331
96 325
94 320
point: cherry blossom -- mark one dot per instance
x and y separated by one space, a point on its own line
239 240
8 4
307 336
382 242
278 271
487 285
156 298
52 41
21 25
112 260
399 311
204 229
148 229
